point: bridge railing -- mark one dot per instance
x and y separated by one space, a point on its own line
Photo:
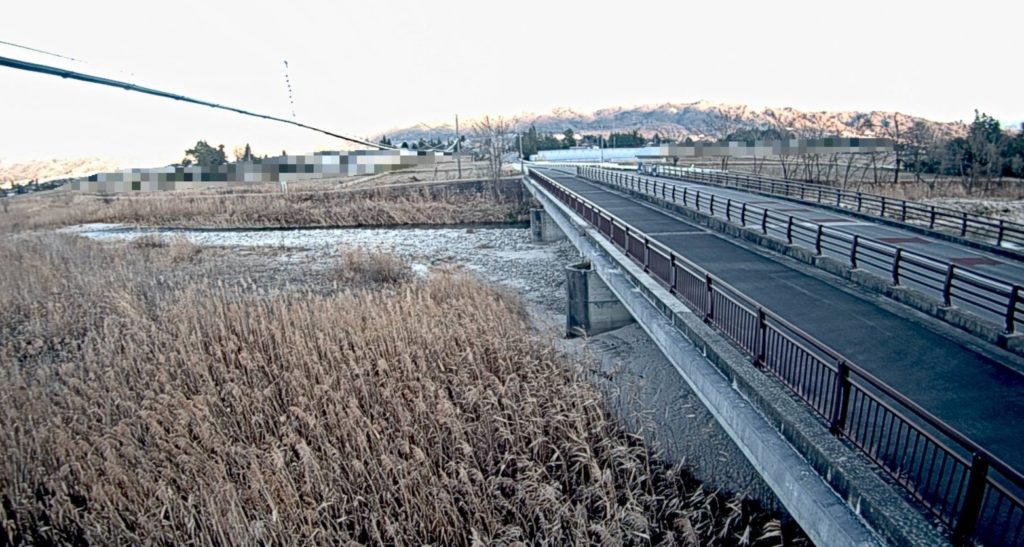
999 300
970 490
983 229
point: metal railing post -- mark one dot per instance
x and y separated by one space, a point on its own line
672 276
853 252
762 338
972 501
896 266
840 398
709 313
1011 309
947 286
963 226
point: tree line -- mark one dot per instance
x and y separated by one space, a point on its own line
534 141
987 151
422 144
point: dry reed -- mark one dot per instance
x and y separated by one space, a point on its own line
143 405
361 267
234 210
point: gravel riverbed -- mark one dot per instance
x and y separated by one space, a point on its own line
502 255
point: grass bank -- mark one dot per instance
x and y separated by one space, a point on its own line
144 400
229 209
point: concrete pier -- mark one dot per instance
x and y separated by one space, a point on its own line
591 307
543 228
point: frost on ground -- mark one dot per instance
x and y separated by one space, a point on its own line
502 255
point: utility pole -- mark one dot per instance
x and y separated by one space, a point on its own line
520 152
458 147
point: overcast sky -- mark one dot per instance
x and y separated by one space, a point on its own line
364 67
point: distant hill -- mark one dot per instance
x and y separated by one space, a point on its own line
702 120
43 170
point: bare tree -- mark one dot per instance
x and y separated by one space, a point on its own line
721 123
846 175
920 143
890 128
495 136
672 134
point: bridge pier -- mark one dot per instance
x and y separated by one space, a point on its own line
591 307
543 228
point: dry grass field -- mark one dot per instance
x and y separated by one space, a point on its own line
230 209
405 197
145 398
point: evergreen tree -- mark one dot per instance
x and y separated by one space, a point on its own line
570 140
204 155
530 144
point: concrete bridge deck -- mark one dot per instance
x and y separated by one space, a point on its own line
976 298
1006 267
968 386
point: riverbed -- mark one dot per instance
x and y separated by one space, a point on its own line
638 383
498 254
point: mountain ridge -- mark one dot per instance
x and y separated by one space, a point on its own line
703 120
20 172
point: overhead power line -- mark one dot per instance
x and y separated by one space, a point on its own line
58 55
43 51
63 73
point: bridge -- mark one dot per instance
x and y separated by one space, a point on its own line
864 355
